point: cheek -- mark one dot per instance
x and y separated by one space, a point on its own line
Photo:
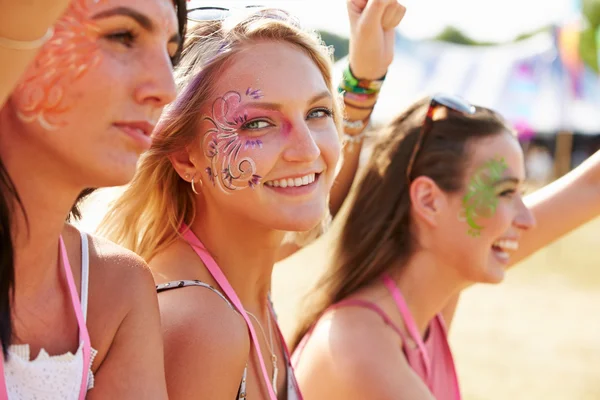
329 143
45 94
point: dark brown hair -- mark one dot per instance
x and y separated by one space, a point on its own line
377 232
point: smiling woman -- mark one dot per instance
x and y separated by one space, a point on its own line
247 151
82 113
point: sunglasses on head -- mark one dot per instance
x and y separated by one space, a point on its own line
453 103
212 13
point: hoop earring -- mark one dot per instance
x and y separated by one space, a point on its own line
193 187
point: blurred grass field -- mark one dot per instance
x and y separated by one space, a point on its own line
535 336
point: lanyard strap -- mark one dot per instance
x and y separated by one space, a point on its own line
218 275
411 326
83 332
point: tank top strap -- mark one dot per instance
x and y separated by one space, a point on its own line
347 303
407 317
77 306
85 273
373 307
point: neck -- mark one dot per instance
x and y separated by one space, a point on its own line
46 198
245 252
427 285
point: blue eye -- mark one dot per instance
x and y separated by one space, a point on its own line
320 113
256 124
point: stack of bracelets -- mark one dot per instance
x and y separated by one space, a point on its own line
360 96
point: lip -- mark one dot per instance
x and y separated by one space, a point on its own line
139 131
503 256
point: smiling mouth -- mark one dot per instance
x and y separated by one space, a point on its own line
503 248
293 182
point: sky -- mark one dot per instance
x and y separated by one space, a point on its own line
484 20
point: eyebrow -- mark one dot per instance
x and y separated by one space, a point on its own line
144 21
277 107
508 179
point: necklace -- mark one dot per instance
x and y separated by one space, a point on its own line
270 344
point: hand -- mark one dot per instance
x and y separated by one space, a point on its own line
372 25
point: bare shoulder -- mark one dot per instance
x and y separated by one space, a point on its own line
354 354
206 343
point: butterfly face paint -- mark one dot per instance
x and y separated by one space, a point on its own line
481 200
66 57
222 143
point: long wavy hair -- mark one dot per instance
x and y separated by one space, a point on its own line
377 232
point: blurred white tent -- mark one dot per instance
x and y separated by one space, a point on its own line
525 81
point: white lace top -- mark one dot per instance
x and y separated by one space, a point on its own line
50 377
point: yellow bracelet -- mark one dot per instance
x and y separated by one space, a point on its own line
26 45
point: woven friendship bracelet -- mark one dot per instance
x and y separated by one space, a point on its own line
352 84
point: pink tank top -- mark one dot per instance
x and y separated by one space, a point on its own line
431 359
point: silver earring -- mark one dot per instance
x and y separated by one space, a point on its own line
187 176
193 187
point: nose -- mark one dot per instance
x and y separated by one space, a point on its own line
301 145
156 85
525 219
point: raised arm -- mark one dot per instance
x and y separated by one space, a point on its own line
562 206
24 25
372 24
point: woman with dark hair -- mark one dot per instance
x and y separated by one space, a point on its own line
77 312
438 208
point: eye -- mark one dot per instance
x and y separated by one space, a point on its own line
320 113
257 124
126 38
508 193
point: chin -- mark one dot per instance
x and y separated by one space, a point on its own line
109 177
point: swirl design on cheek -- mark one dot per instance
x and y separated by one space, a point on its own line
480 199
72 51
222 145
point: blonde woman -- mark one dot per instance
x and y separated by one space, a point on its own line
247 152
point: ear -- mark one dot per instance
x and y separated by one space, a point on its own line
427 200
185 162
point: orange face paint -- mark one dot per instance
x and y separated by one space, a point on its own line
66 57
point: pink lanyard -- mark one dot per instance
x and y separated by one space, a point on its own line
218 275
83 332
411 326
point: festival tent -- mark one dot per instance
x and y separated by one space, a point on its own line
526 81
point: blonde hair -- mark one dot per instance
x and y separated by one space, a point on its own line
147 217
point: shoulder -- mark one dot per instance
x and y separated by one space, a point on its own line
119 270
206 343
354 353
197 316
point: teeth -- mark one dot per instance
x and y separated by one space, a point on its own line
292 182
507 244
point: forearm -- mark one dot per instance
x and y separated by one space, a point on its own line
359 102
23 21
562 206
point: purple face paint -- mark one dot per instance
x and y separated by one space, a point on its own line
222 144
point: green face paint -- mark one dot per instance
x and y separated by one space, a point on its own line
481 199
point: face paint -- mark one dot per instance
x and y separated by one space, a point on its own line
66 57
481 199
223 144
